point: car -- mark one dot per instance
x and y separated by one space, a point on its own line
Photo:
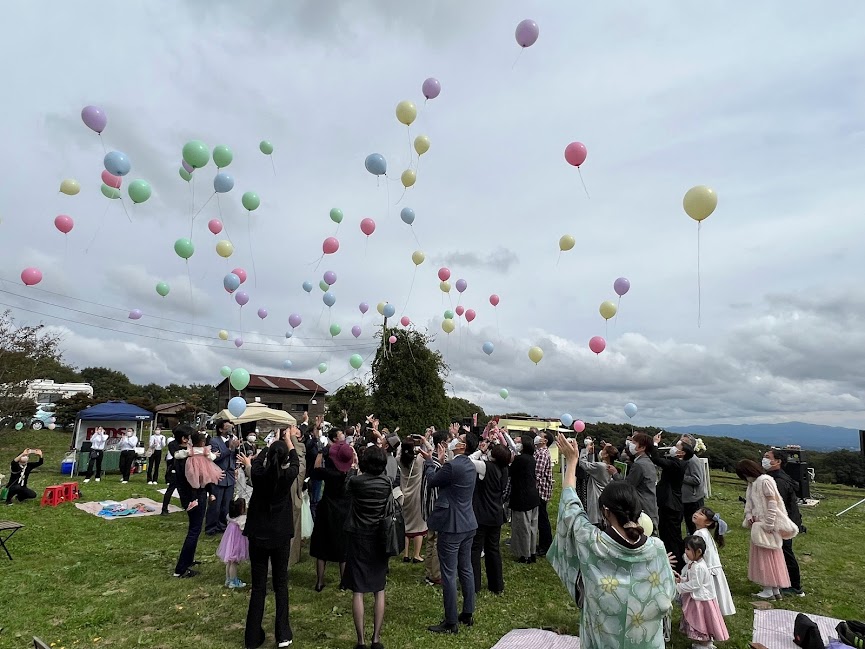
44 416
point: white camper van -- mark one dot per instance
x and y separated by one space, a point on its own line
44 391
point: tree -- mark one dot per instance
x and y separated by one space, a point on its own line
66 410
353 399
108 384
459 409
407 382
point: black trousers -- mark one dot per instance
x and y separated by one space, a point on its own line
169 491
19 492
259 557
153 466
190 543
217 510
689 509
97 460
545 531
127 458
487 538
792 564
670 532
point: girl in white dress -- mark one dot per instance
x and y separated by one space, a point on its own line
710 525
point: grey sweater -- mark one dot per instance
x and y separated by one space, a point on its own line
693 484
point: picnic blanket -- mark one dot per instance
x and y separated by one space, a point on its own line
130 508
537 639
774 628
174 495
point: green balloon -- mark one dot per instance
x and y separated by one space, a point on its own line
336 215
185 174
222 156
162 288
239 378
196 154
184 248
265 147
503 393
335 329
139 190
323 286
19 426
355 361
449 315
225 371
250 201
322 368
110 192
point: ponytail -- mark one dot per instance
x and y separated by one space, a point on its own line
716 524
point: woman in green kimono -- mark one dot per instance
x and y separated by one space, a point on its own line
627 579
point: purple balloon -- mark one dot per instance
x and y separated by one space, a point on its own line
364 307
355 331
135 314
431 88
262 313
621 286
242 297
527 33
188 167
238 342
330 278
462 285
294 320
94 118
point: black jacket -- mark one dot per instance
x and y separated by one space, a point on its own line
488 501
524 484
270 519
367 495
668 491
15 474
787 487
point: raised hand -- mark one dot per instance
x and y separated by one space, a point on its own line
568 448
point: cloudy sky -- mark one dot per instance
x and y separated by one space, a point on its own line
766 104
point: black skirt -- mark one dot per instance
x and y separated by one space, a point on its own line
366 567
328 542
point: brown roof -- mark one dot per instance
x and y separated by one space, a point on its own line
167 408
265 382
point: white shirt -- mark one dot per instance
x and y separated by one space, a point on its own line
97 441
127 443
480 465
697 581
157 442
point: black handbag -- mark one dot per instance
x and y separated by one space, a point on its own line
806 633
392 528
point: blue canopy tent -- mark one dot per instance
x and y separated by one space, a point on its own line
112 415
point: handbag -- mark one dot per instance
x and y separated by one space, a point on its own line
806 633
852 633
392 528
94 455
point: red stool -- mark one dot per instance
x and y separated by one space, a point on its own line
52 496
70 491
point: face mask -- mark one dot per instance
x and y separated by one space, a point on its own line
538 440
587 442
453 443
767 464
519 447
632 448
251 438
674 452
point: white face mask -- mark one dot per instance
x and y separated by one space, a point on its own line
587 442
767 464
674 452
538 440
250 438
519 447
632 448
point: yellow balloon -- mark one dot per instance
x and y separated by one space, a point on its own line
567 242
406 112
536 354
421 144
448 326
607 309
408 178
224 248
70 186
223 334
380 307
445 287
418 257
700 202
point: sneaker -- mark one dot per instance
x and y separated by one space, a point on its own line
236 583
124 481
228 583
284 643
86 480
186 575
793 592
766 593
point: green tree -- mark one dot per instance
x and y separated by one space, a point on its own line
407 383
459 409
108 384
66 410
352 400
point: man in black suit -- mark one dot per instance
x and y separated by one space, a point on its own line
668 494
179 442
22 467
774 462
225 446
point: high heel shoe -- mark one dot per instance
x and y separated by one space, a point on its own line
406 560
319 588
416 560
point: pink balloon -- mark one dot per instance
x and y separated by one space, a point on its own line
460 310
404 321
367 226
470 315
215 226
444 274
241 274
494 299
330 245
31 276
111 180
597 344
64 223
575 153
579 426
392 340
262 313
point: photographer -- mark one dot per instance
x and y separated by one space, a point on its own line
22 467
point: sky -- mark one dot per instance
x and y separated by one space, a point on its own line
765 104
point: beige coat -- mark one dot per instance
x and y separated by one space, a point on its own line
766 514
297 503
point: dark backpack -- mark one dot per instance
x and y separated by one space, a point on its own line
806 633
852 633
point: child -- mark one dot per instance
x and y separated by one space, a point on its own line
706 521
200 469
234 546
701 617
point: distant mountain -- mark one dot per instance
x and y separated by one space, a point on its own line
812 436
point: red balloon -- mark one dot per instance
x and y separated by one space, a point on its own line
330 245
470 315
494 299
31 276
404 321
579 426
444 274
367 226
575 153
597 344
111 180
392 340
241 274
460 310
64 223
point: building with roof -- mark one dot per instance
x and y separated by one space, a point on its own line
295 396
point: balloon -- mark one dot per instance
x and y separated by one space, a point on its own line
286 364
324 286
330 245
421 144
460 310
449 314
224 248
597 344
265 147
567 242
470 315
462 285
215 226
94 118
223 183
329 299
431 88
607 309
392 340
445 287
222 156
389 311
536 354
135 314
185 174
630 410
237 406
188 168
288 334
621 286
19 426
239 378
335 330
503 393
363 307
162 288
223 335
579 426
31 276
64 223
406 112
250 201
307 286
444 274
225 371
240 273
329 278
195 154
242 297
109 192
375 164
184 248
111 180
700 202
52 425
117 163
408 178
356 331
407 215
566 420
262 313
405 321
527 33
355 361
322 368
139 190
418 257
238 342
575 153
488 348
294 320
336 215
448 326
494 299
70 187
367 226
380 308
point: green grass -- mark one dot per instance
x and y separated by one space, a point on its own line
83 582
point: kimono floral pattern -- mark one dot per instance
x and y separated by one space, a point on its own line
628 591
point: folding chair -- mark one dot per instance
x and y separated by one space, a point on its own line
11 527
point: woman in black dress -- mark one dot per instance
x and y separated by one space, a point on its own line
488 503
366 571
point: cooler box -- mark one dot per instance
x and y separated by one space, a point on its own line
68 464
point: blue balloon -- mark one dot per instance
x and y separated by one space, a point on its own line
307 286
567 420
407 215
231 282
237 406
329 298
289 334
389 310
223 183
375 164
630 410
488 348
286 364
117 163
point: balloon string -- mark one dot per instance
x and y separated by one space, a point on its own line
124 209
205 205
102 142
191 299
518 57
618 306
410 156
272 164
387 187
402 196
408 297
98 228
498 331
699 287
584 183
192 207
251 256
415 236
559 258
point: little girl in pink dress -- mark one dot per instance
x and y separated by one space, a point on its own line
200 469
701 617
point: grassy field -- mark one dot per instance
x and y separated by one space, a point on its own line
83 582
